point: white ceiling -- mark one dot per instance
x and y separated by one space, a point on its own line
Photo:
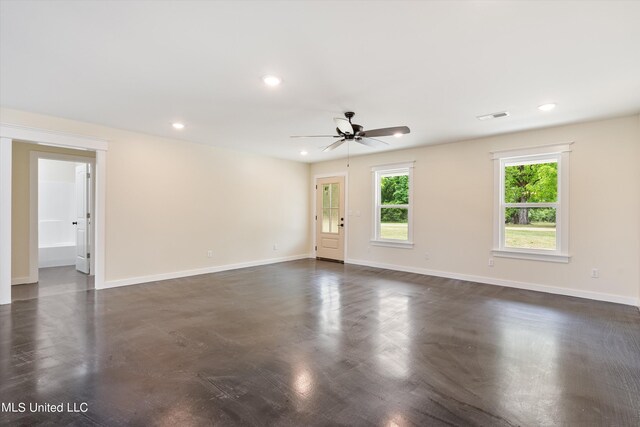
433 66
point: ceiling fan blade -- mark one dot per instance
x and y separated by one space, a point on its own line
334 145
386 131
315 136
344 125
371 142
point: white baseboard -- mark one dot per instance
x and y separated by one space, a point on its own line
186 273
598 296
23 280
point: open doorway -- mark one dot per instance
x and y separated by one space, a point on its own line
61 225
64 223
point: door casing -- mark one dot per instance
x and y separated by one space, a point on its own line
11 132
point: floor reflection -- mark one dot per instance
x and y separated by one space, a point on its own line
329 315
393 344
397 420
303 382
525 330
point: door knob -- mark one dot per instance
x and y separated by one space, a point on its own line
342 225
74 223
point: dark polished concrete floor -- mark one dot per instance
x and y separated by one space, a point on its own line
318 343
53 281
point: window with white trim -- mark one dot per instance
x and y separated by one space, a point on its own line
531 206
393 187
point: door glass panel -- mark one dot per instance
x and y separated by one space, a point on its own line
330 208
326 196
334 220
335 195
326 221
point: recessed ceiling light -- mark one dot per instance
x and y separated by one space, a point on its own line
397 135
546 107
177 125
304 153
272 81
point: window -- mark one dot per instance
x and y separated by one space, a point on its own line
532 204
392 205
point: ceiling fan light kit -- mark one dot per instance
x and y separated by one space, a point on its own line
348 131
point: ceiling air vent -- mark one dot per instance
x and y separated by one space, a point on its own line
493 115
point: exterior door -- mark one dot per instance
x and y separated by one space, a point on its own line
82 218
330 218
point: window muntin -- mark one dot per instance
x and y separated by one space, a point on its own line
393 188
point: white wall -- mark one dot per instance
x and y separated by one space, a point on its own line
168 202
454 214
56 203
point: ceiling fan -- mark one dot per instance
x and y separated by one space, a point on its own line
348 131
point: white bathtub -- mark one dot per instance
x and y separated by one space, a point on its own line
54 246
57 255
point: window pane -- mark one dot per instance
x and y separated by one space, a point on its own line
530 228
334 220
326 221
326 196
394 224
394 190
335 195
535 183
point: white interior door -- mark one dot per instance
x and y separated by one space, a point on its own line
82 218
330 218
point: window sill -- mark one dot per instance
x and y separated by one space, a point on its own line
392 244
535 256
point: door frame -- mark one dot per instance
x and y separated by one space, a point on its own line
34 226
346 210
11 132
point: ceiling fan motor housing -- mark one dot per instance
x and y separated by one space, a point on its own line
357 130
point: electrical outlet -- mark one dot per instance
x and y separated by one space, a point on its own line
275 246
426 256
490 262
209 254
595 273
